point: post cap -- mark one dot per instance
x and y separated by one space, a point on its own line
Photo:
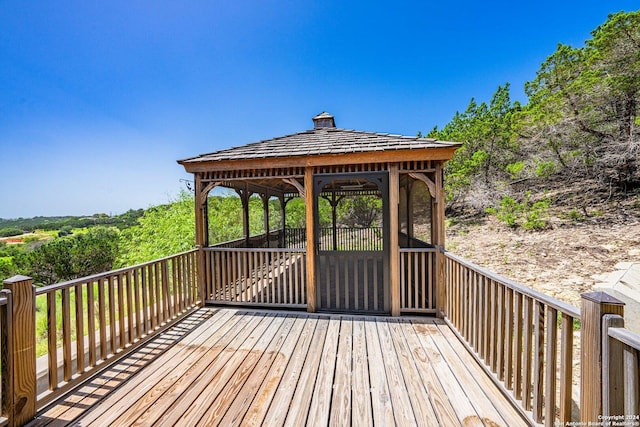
602 298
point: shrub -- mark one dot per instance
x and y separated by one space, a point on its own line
12 231
515 169
530 216
545 169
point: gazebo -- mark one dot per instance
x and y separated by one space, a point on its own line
379 268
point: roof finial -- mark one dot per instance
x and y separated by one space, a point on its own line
324 120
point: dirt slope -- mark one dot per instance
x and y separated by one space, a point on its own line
561 260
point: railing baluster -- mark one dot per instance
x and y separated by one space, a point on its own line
405 280
518 350
166 295
174 289
121 320
538 361
66 334
493 306
112 313
153 303
508 372
79 328
145 301
550 366
91 322
102 317
487 319
418 296
136 307
130 309
526 366
500 347
566 368
52 332
157 280
423 280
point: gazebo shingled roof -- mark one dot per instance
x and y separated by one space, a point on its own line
324 139
321 141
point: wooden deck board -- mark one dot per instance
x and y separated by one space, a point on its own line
75 404
155 383
249 390
429 377
341 399
361 406
299 406
424 412
206 383
251 367
319 407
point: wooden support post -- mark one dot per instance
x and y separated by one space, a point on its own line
265 207
24 347
409 208
311 240
202 236
394 246
594 306
244 198
438 236
283 221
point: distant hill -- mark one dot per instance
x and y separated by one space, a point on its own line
122 221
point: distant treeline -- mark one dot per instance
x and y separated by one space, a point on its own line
27 225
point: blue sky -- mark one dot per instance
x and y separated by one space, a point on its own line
99 99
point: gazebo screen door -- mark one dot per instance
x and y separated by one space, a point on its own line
352 268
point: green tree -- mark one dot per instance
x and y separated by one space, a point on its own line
360 211
162 231
583 104
71 257
490 145
11 231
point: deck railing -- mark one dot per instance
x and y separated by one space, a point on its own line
92 320
523 337
256 276
417 281
343 239
621 381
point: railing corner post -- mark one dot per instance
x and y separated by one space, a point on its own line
594 306
24 348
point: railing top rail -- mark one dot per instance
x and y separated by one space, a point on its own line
254 237
418 249
217 249
625 336
544 298
57 286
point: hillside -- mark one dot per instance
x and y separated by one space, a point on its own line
562 259
121 221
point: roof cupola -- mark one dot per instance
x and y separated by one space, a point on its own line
324 120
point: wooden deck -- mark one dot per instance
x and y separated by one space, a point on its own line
249 367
